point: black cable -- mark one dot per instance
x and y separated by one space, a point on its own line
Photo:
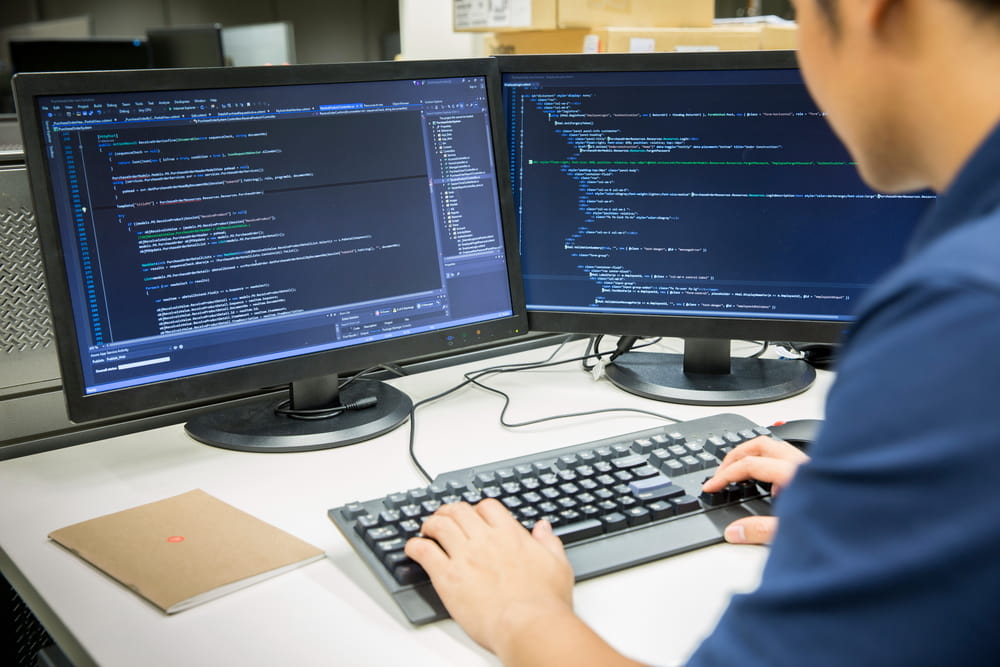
625 344
474 377
570 415
325 413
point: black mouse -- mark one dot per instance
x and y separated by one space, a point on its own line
799 432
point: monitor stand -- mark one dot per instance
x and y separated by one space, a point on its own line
707 374
259 427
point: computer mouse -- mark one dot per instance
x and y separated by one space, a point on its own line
799 432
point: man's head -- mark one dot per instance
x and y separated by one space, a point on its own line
911 86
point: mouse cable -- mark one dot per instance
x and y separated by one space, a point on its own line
474 377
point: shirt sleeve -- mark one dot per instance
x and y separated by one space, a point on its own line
888 539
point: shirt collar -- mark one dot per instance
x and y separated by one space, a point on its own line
974 193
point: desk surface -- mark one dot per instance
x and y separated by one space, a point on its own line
333 611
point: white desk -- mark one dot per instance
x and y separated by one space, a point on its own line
333 611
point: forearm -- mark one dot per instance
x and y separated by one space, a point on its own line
541 638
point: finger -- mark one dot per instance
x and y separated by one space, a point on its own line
542 531
494 513
467 518
752 467
428 554
752 530
445 531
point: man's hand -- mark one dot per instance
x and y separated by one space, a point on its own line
765 460
511 590
491 573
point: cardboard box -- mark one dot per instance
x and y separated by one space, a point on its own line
648 40
536 41
521 15
636 13
503 15
782 37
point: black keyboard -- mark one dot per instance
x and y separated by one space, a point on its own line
615 503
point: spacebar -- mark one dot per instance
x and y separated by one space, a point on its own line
650 542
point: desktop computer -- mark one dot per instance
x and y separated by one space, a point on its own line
692 195
210 233
697 195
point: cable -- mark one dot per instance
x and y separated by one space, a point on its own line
474 377
622 347
570 415
325 413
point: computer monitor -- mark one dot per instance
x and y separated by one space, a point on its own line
259 44
186 46
78 55
692 195
207 233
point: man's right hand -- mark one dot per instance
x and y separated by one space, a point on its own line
765 460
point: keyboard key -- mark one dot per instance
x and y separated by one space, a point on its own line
379 533
418 495
714 499
655 487
686 503
614 521
625 462
524 470
578 530
638 515
352 511
660 509
385 547
409 573
364 522
567 461
643 446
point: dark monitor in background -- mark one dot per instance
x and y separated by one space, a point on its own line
693 195
77 55
209 233
186 46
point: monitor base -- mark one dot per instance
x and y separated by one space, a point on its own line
662 377
256 428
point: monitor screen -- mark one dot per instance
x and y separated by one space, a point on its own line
207 232
77 55
697 195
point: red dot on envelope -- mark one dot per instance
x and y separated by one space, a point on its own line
175 538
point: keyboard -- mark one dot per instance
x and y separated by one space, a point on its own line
615 503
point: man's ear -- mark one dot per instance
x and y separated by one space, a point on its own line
880 17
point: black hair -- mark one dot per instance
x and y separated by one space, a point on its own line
829 8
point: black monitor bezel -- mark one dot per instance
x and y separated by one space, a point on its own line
680 326
176 394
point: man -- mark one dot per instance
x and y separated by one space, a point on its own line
889 535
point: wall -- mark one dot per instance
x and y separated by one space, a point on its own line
425 32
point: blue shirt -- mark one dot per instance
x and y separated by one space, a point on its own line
888 551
